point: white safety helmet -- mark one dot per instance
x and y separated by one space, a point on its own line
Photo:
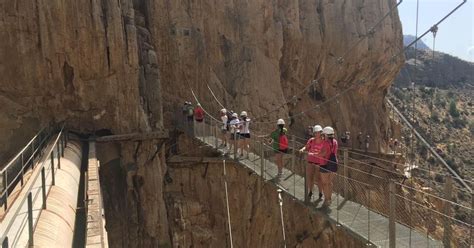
317 128
224 111
328 130
280 122
235 115
243 114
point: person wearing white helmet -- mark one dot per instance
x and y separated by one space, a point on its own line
316 154
279 144
330 167
234 125
224 127
244 133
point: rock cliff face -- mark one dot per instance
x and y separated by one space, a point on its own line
256 55
115 65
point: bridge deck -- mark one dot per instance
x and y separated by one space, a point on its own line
366 223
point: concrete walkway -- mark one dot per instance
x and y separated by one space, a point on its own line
361 221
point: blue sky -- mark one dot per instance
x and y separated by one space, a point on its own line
455 35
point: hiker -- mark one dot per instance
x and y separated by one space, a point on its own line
189 111
359 139
199 118
224 127
234 125
330 167
315 158
395 145
244 134
309 132
367 138
279 144
185 110
390 145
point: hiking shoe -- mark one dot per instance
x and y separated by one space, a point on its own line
310 194
320 195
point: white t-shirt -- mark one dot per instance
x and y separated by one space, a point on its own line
224 122
234 126
245 126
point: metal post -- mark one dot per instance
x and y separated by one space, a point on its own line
235 144
5 183
293 163
43 187
5 243
338 192
262 160
22 171
30 220
391 217
216 135
448 190
306 198
58 155
344 170
471 234
368 217
52 169
63 145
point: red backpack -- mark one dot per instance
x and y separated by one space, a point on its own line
283 141
199 114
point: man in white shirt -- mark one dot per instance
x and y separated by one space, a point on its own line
224 128
234 126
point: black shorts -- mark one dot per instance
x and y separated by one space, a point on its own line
282 151
235 136
245 135
199 120
328 168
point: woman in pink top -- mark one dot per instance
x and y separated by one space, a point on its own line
330 165
316 154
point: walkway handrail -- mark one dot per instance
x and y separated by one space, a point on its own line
11 161
367 188
49 159
10 181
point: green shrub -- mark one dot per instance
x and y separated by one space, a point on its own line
453 110
459 122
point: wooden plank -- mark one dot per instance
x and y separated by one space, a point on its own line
161 134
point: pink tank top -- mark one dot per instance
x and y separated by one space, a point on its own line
313 147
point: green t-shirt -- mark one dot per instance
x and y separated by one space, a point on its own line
275 135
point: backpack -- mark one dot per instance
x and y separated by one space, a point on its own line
199 114
283 141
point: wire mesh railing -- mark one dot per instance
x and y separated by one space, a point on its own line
14 171
24 214
417 217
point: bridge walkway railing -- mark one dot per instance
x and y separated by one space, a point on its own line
380 207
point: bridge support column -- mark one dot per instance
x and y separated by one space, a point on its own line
344 171
262 160
30 220
448 191
391 216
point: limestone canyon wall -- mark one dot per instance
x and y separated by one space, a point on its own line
256 55
123 66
